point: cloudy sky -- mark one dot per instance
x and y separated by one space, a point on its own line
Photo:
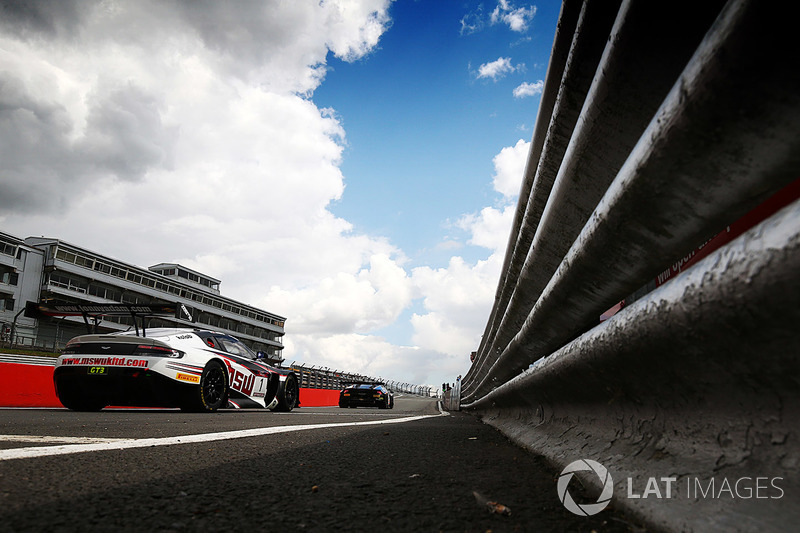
352 165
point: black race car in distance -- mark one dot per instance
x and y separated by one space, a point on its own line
366 394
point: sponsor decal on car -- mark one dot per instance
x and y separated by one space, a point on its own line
106 361
188 377
241 382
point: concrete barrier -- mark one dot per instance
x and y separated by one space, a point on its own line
697 381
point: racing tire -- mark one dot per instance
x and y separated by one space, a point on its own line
212 393
287 399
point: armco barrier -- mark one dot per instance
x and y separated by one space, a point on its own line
634 395
647 154
31 385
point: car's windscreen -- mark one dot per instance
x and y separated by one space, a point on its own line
235 347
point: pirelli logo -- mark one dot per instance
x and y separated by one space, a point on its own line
188 377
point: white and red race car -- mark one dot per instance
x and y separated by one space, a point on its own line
194 369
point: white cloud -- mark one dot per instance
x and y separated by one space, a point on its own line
528 89
347 302
517 18
456 300
496 69
472 22
509 167
489 228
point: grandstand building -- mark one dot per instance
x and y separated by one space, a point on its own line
53 271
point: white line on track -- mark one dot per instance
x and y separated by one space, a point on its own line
107 444
50 439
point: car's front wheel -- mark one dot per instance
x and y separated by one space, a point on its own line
288 400
212 392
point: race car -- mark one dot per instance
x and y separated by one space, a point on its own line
366 394
197 370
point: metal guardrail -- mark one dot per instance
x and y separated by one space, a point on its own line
27 359
451 398
324 378
642 152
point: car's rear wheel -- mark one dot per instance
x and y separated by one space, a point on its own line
212 393
288 399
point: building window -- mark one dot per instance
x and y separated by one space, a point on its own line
102 267
65 256
84 261
8 248
66 282
8 276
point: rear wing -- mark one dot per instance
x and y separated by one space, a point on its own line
95 311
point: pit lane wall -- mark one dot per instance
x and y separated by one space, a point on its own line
647 309
27 381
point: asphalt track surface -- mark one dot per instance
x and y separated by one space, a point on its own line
419 475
